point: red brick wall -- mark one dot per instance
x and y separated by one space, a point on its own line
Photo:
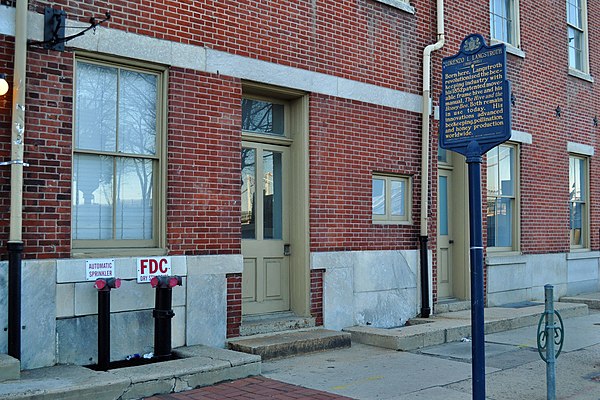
316 295
203 211
362 40
234 304
348 142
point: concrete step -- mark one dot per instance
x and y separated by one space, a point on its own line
453 326
591 299
445 306
275 322
10 368
290 343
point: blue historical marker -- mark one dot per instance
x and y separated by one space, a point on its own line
474 118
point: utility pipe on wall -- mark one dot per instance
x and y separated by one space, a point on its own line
425 290
15 240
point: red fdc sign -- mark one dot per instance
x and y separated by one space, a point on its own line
149 267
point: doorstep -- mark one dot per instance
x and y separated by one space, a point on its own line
454 326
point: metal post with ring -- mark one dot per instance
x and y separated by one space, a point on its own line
549 338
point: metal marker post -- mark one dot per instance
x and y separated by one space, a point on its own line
550 357
476 256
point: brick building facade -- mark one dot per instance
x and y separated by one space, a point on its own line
272 150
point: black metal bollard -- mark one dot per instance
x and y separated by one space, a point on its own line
163 312
104 286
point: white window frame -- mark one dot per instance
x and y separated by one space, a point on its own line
516 221
514 45
583 29
157 244
388 217
585 214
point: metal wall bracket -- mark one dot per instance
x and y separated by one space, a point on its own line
20 162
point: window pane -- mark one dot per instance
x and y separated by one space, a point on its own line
443 206
398 198
574 13
134 199
504 226
576 214
248 193
491 223
577 179
137 112
378 199
442 155
492 173
262 117
92 197
506 172
96 107
272 195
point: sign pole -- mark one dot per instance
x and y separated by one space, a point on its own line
476 256
475 118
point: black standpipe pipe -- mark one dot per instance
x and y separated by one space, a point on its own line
162 321
15 255
103 329
425 308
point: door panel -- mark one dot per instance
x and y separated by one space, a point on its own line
265 228
444 240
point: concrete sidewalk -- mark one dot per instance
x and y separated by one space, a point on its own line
204 366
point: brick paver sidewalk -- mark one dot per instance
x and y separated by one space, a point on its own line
257 387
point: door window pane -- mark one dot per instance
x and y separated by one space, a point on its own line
578 201
248 193
272 195
262 117
443 206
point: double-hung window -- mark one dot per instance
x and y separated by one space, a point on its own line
502 210
116 201
504 21
391 196
578 201
577 35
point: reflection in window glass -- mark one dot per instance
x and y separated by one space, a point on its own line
443 206
578 200
398 198
378 202
133 200
272 195
96 107
262 117
248 193
137 113
501 196
92 197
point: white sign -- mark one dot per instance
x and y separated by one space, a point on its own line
99 269
149 267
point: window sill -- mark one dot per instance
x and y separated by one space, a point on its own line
116 252
509 48
399 4
381 222
582 254
581 75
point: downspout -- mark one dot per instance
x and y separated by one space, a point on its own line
425 290
15 240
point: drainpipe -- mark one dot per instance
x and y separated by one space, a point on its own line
423 238
15 240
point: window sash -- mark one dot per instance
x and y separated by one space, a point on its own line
503 20
577 34
128 202
578 202
390 199
502 213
